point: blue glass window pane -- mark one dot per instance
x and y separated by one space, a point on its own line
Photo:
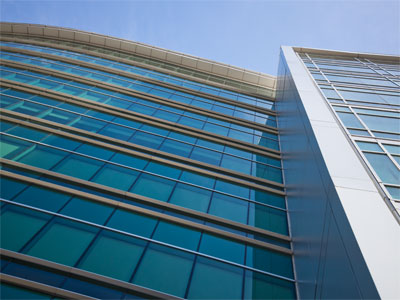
127 122
384 167
60 116
78 166
191 197
146 139
210 145
267 172
381 123
206 156
145 186
177 235
95 151
89 124
87 210
215 280
182 137
177 148
13 235
164 269
229 208
117 132
90 289
222 248
116 177
62 241
113 255
163 169
242 136
235 163
42 198
369 146
7 101
349 120
27 108
216 129
191 122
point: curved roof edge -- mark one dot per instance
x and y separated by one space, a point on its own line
179 59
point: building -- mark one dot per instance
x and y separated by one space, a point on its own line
130 171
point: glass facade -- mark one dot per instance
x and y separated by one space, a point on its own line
365 96
120 181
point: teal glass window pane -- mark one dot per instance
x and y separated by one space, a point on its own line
215 280
69 90
13 235
61 142
145 186
132 222
8 291
229 208
89 124
41 157
87 210
177 235
142 109
198 179
381 123
129 161
146 139
268 198
6 101
266 172
95 151
260 286
10 147
235 163
232 188
191 197
242 153
268 218
163 169
222 248
43 198
78 166
176 147
10 187
27 108
384 167
349 120
206 156
94 96
4 126
269 261
100 115
113 255
27 133
62 241
116 177
164 269
369 146
117 132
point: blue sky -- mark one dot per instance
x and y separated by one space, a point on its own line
246 34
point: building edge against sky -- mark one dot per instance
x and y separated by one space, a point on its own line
342 230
